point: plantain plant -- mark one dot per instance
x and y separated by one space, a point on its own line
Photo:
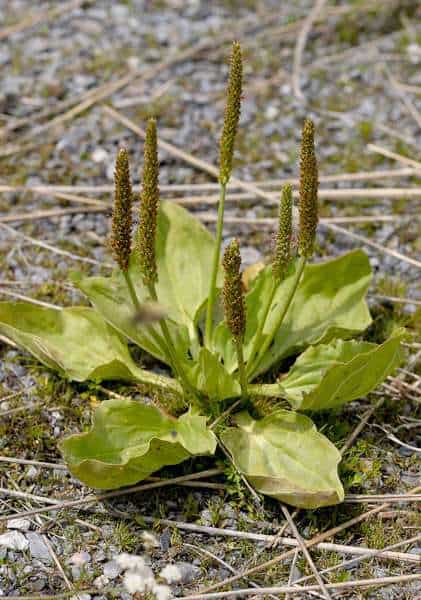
230 366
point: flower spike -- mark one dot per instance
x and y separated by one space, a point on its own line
149 200
121 225
232 114
282 256
308 206
234 305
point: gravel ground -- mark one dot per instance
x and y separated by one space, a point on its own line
355 55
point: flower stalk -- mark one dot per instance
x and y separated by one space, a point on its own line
121 223
280 264
146 235
229 131
234 306
308 205
308 210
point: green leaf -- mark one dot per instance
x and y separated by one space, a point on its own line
184 251
110 297
284 456
209 376
76 342
129 441
329 303
329 375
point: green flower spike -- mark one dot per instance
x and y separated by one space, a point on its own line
149 200
229 130
121 227
232 114
282 255
308 206
235 306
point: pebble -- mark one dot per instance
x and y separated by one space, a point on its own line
188 571
78 559
32 472
22 524
14 541
112 569
101 581
99 155
38 548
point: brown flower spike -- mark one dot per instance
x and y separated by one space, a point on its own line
282 256
234 305
121 226
149 200
232 114
308 206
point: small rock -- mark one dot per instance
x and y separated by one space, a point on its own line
101 581
188 572
112 569
32 472
38 584
271 112
80 558
296 574
165 540
206 517
149 540
38 548
14 541
99 155
22 524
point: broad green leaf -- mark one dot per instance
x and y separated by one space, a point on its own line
76 342
284 456
129 441
209 376
329 375
184 250
110 297
329 303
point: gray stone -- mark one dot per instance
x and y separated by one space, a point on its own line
14 540
101 581
79 559
38 548
189 572
32 472
112 569
38 584
22 524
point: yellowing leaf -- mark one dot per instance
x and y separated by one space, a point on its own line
329 375
329 303
284 456
129 441
184 250
76 342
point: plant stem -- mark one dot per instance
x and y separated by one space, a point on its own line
241 367
268 390
132 291
166 384
169 344
215 265
261 325
157 338
282 313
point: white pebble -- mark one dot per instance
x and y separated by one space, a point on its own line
14 541
22 524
